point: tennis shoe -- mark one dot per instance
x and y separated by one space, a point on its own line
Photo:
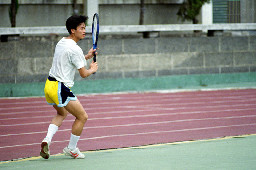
45 152
75 153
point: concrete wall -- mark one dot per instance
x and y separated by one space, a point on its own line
30 15
112 12
128 14
29 58
248 11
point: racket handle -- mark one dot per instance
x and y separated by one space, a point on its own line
94 59
94 55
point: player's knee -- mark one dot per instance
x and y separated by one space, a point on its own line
84 117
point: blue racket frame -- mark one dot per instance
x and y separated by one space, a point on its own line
95 39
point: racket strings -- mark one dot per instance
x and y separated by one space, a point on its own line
94 30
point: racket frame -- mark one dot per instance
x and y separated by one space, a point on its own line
95 16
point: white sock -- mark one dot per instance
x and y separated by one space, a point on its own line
73 141
52 129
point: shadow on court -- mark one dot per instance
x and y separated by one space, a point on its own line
223 153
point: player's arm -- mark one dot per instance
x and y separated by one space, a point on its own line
85 73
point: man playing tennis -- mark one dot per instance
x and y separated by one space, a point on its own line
68 57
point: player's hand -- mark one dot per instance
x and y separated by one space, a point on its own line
91 53
94 66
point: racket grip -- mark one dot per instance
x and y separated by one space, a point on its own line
94 56
94 59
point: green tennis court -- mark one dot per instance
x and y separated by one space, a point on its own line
236 152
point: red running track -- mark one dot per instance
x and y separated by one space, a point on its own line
125 120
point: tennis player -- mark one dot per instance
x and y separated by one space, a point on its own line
68 57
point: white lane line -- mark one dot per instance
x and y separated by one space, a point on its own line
139 124
34 117
131 116
120 112
25 107
141 99
135 134
54 112
99 107
153 94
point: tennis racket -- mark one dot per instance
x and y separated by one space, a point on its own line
95 33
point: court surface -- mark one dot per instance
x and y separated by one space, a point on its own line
137 119
223 153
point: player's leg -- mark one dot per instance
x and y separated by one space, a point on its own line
60 116
52 129
56 122
77 110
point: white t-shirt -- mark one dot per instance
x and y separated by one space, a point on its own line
68 57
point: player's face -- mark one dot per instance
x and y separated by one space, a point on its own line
80 31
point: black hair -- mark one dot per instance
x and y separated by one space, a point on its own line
74 21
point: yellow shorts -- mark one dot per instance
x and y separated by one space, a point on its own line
56 93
